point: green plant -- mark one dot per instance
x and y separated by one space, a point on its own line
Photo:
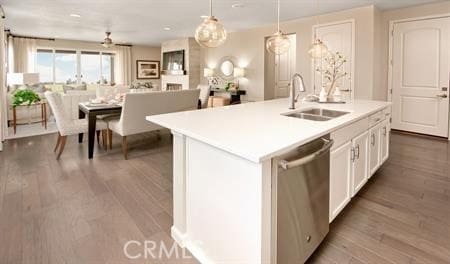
25 97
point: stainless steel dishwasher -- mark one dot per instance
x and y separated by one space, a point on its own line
302 200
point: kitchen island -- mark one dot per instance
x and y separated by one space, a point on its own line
222 170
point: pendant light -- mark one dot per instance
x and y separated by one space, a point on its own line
279 43
210 33
318 49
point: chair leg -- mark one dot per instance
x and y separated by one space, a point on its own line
104 140
61 148
110 138
125 147
158 134
98 136
58 141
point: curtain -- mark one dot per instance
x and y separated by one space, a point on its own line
122 69
23 55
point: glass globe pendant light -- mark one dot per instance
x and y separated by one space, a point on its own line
278 43
210 33
318 49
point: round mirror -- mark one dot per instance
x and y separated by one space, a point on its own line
226 68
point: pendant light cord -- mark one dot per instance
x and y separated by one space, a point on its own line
210 8
278 16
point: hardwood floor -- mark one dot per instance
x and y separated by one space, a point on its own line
80 211
402 215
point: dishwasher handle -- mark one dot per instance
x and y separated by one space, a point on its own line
299 162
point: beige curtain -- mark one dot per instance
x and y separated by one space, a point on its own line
23 55
3 109
122 71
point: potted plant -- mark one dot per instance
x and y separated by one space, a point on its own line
332 71
25 97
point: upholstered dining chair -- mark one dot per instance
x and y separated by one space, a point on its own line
204 95
66 124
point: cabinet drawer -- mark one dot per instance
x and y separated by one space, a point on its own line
348 132
376 118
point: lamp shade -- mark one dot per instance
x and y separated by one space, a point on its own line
239 72
22 78
208 72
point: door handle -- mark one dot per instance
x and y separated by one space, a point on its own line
357 152
442 95
352 154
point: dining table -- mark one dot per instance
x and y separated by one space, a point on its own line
92 111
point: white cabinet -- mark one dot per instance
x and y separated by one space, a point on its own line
374 149
360 149
340 176
384 140
360 162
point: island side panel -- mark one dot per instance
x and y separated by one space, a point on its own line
178 230
228 206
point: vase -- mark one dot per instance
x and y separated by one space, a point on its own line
323 96
337 95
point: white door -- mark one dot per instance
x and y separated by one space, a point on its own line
339 38
420 76
360 162
340 176
374 149
285 68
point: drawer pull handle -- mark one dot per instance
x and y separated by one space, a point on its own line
372 139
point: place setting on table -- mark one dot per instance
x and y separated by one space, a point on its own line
99 106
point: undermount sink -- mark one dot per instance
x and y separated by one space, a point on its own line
317 114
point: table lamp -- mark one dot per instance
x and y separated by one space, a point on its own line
238 73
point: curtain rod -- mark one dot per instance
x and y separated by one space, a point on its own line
28 37
51 39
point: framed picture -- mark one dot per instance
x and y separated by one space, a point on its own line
147 69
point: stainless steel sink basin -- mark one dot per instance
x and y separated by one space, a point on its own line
317 114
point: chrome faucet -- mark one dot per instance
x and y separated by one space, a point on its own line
292 97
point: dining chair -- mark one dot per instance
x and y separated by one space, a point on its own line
66 125
204 95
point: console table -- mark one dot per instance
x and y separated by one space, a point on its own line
42 104
235 95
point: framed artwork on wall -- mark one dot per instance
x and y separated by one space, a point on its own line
147 69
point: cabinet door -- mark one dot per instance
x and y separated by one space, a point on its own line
384 141
374 149
360 162
340 176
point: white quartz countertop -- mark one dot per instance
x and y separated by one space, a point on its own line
258 131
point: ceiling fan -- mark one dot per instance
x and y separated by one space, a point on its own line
107 42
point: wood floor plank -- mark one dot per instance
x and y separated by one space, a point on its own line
77 210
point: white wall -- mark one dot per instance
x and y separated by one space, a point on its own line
3 109
248 47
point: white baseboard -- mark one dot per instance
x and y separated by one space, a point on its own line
183 242
178 236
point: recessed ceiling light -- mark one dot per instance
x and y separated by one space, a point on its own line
167 28
237 5
75 15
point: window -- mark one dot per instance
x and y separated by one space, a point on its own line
65 67
58 67
44 65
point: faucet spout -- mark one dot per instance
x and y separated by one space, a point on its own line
292 97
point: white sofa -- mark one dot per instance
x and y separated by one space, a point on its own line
137 106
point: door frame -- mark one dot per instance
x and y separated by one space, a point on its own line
391 49
352 73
